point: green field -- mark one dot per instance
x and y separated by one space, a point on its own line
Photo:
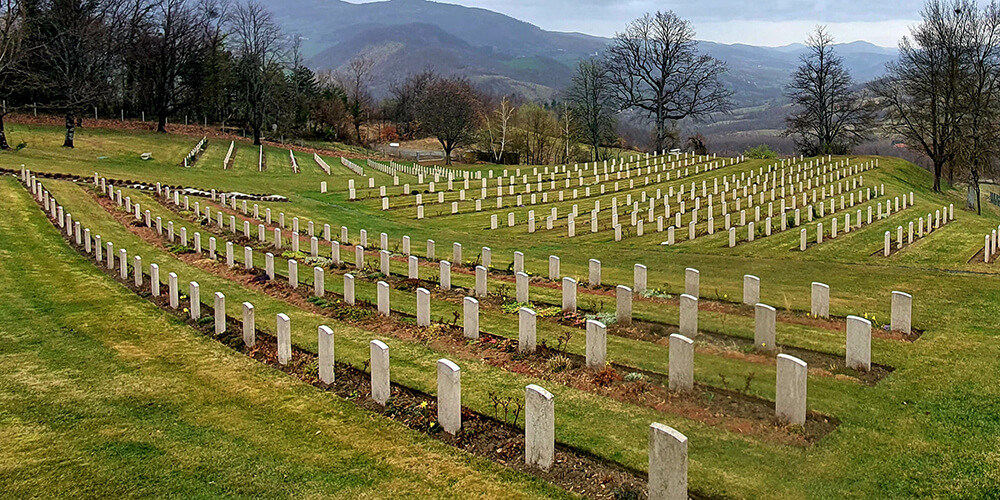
107 395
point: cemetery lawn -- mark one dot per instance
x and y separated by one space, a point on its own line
104 395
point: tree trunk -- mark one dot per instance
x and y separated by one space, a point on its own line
447 152
938 166
70 129
3 136
256 135
161 123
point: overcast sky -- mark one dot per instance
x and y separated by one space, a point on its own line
761 22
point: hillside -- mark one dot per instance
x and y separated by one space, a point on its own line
506 55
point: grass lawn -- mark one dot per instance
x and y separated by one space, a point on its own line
927 430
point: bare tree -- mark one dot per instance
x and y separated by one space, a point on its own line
829 116
177 38
921 92
260 62
540 130
448 112
405 97
497 123
656 68
355 79
591 98
74 64
979 150
14 53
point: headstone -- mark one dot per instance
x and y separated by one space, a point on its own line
597 344
569 295
751 289
859 343
449 396
326 354
481 289
284 338
681 363
293 273
668 463
639 274
470 309
902 304
539 427
594 278
623 303
688 315
380 371
220 313
692 280
790 391
521 285
764 328
319 287
526 323
383 298
249 325
553 268
423 307
820 300
349 289
445 275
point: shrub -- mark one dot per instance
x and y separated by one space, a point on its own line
558 363
762 152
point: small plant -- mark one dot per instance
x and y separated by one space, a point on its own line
562 341
606 317
725 383
294 255
179 249
606 376
558 363
747 381
311 369
634 377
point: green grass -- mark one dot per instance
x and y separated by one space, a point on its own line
106 396
926 430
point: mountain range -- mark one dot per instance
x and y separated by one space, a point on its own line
506 55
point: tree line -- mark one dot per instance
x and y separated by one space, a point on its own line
227 62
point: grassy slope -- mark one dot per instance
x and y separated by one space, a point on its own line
103 395
926 430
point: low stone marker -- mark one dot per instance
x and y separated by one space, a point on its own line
326 354
445 275
594 277
521 285
380 371
220 313
692 279
569 295
154 280
137 270
456 250
623 303
790 393
359 257
123 263
249 325
480 281
668 463
751 289
284 338
639 274
902 304
319 286
859 343
688 315
764 328
518 262
597 344
820 300
470 309
383 262
539 427
553 267
423 307
412 268
293 273
681 363
194 294
383 298
526 324
449 396
349 289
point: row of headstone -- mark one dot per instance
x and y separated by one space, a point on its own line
937 222
193 154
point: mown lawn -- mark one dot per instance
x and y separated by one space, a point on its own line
103 395
926 430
